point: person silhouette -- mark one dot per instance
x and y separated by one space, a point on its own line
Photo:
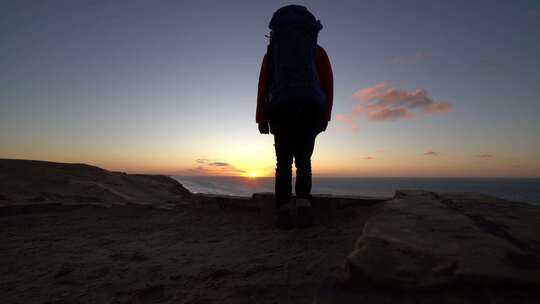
294 103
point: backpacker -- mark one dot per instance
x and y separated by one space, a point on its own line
295 94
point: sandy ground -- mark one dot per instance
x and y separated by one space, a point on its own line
143 255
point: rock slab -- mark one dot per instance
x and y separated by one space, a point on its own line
423 240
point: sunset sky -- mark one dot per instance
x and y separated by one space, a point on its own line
422 88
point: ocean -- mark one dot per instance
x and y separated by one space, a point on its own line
513 189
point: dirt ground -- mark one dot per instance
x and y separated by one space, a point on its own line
143 255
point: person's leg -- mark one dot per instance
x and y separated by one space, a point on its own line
303 150
284 159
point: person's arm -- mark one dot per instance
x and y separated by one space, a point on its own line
260 117
324 70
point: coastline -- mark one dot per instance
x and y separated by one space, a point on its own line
175 246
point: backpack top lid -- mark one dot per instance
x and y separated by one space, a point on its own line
296 16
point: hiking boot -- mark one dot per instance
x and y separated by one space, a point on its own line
283 217
304 216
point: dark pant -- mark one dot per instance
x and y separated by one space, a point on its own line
298 145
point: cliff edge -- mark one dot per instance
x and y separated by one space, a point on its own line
60 246
30 182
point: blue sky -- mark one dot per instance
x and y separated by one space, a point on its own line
152 86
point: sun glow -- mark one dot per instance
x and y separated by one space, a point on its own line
252 174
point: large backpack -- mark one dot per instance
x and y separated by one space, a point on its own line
295 93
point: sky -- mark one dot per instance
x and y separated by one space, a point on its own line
421 88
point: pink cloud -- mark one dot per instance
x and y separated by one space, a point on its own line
381 102
368 158
390 114
369 92
348 120
439 107
358 109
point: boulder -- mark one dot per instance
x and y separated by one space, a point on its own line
423 240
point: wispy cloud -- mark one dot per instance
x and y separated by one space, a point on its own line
219 164
375 113
381 97
432 153
348 120
484 155
207 167
384 103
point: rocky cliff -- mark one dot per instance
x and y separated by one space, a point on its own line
417 247
28 182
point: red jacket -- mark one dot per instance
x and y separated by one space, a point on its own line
324 70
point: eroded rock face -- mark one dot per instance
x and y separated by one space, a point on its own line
26 182
422 240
